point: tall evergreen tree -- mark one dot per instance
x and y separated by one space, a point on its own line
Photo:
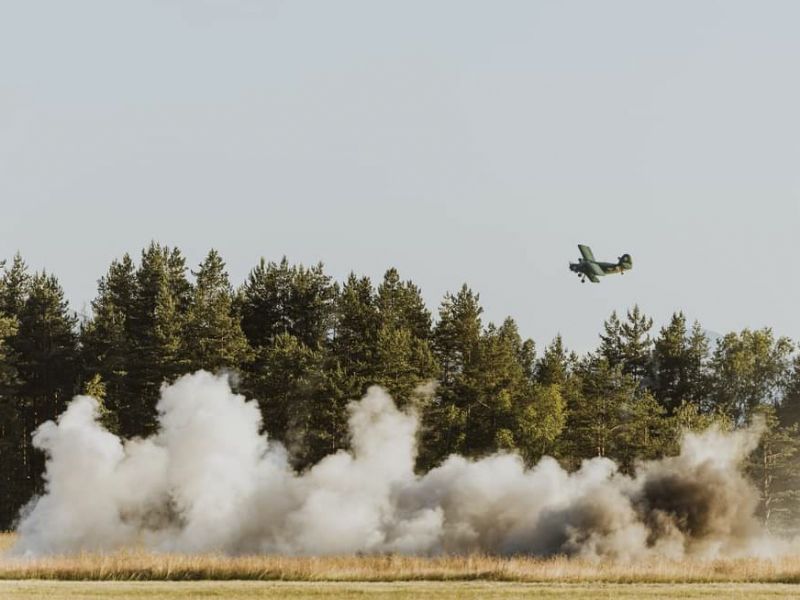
669 363
282 298
400 305
287 315
282 380
504 397
594 409
611 341
156 331
552 368
636 345
14 484
8 371
679 365
404 363
213 336
46 347
627 343
696 372
357 323
609 415
106 342
403 355
456 339
14 286
457 333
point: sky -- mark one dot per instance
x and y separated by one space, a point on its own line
458 141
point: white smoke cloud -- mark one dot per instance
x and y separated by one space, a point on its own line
209 482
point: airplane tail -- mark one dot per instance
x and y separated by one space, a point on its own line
625 261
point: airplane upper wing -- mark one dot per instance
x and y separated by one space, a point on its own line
586 252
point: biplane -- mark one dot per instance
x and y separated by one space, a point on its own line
589 268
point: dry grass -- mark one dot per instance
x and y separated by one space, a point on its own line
137 565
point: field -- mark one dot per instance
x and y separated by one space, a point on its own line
140 574
246 590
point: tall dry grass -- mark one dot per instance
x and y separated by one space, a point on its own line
142 565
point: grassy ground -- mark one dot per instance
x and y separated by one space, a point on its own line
245 590
137 565
128 566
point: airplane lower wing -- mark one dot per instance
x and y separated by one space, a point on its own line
592 277
596 269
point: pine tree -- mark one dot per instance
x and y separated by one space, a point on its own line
321 421
403 356
636 344
644 431
611 341
697 386
400 305
679 363
281 380
500 384
456 339
357 323
457 333
287 315
594 409
14 288
610 415
14 486
403 363
627 343
213 336
106 342
8 371
669 363
279 298
552 368
46 347
156 328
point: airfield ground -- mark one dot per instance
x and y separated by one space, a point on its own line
246 590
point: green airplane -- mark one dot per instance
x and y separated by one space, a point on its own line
588 267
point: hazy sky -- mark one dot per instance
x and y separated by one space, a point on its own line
459 141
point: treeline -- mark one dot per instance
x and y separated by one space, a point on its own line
304 345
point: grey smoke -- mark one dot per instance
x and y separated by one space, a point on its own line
209 482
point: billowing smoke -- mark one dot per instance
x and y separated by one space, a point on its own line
208 481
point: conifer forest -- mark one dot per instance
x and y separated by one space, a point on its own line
304 346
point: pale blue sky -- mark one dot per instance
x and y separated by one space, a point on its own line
459 141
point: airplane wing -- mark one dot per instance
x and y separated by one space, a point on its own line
586 252
592 277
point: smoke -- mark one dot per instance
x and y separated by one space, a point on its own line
208 481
